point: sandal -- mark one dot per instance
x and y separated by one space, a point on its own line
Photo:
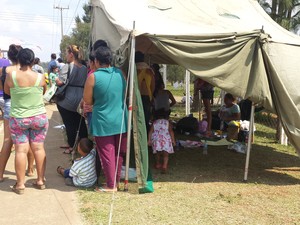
39 186
64 146
68 151
19 191
59 168
105 190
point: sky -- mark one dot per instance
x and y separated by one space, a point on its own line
36 24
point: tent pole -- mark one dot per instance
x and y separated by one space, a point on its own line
249 142
131 80
165 75
187 93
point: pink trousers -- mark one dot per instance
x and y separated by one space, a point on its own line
107 148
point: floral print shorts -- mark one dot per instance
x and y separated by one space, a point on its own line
30 129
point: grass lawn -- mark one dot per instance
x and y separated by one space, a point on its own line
208 189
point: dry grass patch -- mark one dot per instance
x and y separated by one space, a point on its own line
208 189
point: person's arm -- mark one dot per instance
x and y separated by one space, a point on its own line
234 116
171 97
50 79
8 84
1 86
88 90
171 132
43 83
150 135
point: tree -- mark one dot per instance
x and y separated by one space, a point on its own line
80 35
175 73
285 12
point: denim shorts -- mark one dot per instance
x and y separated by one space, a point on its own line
6 110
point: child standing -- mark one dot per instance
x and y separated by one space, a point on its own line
53 75
161 138
83 171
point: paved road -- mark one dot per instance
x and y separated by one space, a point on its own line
57 204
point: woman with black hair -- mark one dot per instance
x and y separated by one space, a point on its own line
105 89
28 120
7 142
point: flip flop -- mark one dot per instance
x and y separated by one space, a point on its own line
68 151
64 146
19 191
104 190
39 186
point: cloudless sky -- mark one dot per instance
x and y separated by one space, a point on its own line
36 24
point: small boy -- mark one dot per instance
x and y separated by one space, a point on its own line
83 172
53 75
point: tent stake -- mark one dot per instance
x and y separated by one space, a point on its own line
249 143
130 79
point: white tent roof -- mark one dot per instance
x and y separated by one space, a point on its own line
222 41
184 17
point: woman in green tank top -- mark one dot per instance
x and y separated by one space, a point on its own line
28 121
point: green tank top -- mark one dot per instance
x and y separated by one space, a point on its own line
26 101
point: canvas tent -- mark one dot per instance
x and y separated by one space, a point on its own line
232 44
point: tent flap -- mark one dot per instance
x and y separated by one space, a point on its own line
234 65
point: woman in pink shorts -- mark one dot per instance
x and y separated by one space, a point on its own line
28 121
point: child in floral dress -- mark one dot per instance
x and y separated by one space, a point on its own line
161 138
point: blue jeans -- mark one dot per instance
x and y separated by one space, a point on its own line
66 173
89 119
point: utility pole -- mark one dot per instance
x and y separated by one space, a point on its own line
61 19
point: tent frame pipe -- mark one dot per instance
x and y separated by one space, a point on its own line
165 75
187 93
130 107
250 135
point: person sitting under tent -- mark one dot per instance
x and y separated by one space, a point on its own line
230 111
146 82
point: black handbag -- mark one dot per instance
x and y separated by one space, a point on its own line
61 90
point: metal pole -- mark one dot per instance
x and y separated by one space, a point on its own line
249 142
187 93
61 19
165 74
131 80
283 137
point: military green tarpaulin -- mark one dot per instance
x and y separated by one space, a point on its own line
232 44
140 141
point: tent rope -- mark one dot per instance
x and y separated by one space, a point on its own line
117 162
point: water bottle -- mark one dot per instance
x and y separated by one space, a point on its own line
205 148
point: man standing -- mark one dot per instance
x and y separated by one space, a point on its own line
52 63
146 82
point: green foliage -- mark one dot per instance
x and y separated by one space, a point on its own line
285 12
80 35
175 73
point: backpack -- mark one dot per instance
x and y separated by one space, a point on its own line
187 124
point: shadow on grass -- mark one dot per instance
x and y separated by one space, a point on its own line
267 166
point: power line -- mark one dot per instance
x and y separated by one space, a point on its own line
61 18
73 15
